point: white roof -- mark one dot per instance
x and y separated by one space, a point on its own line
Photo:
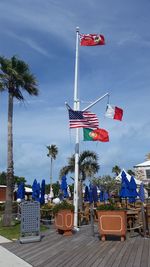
138 182
143 164
28 189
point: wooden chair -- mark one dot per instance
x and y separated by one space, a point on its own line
147 215
84 216
136 221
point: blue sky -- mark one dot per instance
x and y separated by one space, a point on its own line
43 34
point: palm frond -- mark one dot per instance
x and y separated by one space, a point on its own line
16 76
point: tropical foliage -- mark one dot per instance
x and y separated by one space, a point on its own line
148 156
56 188
130 172
52 153
110 206
116 169
106 183
88 166
64 205
17 179
15 77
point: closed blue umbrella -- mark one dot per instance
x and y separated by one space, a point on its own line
34 186
125 179
35 191
90 194
94 193
132 190
141 192
38 192
124 192
21 191
42 199
105 196
86 194
93 196
64 186
101 196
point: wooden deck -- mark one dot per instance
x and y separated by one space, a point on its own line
84 250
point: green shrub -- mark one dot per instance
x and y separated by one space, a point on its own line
2 207
108 207
64 205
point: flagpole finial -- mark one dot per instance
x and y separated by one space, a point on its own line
77 29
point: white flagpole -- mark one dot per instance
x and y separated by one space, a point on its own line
76 107
95 102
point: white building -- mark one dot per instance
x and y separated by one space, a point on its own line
142 171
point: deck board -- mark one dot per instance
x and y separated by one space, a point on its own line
137 261
145 253
82 249
127 253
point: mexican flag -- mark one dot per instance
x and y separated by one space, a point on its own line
95 135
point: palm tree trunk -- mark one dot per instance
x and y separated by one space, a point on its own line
10 168
51 174
80 187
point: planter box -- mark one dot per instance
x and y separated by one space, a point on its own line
112 222
64 222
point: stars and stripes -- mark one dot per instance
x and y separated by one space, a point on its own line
82 119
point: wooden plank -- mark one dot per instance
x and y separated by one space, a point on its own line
133 252
99 250
83 250
82 254
35 247
126 255
62 252
123 250
145 253
115 252
103 261
137 261
71 254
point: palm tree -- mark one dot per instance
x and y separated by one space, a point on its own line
147 156
88 166
52 153
15 76
116 169
130 172
106 183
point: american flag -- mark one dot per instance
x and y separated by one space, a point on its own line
82 119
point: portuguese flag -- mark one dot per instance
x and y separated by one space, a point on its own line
95 135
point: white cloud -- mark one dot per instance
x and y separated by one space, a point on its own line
31 43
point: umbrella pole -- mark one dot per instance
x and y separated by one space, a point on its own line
126 203
92 219
143 219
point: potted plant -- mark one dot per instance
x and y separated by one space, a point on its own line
63 217
46 213
112 220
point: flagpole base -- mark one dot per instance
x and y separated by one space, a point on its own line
76 229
